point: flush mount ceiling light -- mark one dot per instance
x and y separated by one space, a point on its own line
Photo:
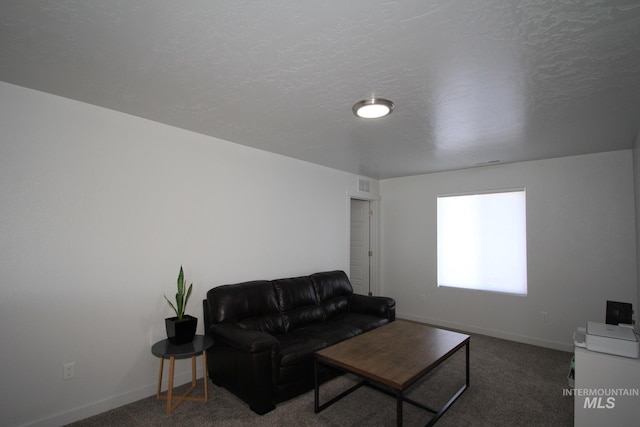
373 108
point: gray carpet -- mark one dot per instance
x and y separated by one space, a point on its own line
511 384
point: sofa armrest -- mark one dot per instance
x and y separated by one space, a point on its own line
244 361
244 340
375 305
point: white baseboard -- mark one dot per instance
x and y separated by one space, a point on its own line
103 405
489 332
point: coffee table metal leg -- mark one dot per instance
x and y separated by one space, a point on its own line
316 395
458 393
468 343
399 401
205 378
317 406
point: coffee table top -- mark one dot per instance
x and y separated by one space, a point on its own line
396 354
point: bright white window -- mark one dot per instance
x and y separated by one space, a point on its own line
482 241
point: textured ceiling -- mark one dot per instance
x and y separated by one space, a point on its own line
473 81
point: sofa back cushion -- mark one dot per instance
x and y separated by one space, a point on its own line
298 302
251 305
334 290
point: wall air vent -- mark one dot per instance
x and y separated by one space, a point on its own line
364 185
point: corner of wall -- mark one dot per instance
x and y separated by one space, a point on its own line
636 192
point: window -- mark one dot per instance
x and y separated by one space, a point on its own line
482 241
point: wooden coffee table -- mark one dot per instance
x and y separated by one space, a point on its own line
392 358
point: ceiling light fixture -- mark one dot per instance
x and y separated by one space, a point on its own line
373 108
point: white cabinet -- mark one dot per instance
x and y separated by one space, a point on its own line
607 389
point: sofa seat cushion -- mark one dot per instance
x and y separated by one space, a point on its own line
344 327
268 324
298 346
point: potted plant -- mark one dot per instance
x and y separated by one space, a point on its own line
181 328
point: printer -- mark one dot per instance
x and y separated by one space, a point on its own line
605 338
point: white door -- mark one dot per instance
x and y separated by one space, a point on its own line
360 248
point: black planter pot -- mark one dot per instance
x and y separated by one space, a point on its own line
181 331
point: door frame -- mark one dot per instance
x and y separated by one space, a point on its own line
374 237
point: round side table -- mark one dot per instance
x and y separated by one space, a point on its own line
164 349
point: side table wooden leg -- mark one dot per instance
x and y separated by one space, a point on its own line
170 391
160 376
166 350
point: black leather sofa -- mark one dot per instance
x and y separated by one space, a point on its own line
266 332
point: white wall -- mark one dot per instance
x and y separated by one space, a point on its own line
99 209
581 247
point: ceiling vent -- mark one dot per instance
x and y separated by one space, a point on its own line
364 185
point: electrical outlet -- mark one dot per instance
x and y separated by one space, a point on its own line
544 316
423 298
68 371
